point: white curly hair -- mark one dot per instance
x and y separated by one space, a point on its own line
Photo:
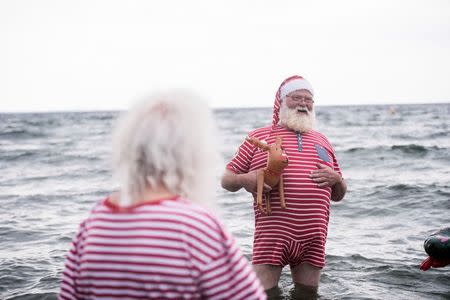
166 140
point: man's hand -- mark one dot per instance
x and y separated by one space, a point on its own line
324 176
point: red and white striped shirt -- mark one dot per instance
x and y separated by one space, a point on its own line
171 249
307 213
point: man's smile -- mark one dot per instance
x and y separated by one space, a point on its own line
302 110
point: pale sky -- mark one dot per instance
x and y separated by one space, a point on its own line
105 54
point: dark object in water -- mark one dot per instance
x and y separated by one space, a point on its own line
437 246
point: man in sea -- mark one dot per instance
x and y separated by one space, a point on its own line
295 235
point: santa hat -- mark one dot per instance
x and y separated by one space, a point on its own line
297 83
289 85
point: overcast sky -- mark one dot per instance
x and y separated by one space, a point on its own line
89 55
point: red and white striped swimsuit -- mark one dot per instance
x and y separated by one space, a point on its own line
171 249
298 233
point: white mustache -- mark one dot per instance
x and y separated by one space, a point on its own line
302 109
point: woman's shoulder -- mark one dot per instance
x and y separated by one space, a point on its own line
194 212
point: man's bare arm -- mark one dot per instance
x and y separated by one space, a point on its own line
234 182
338 190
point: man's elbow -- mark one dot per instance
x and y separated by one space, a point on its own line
337 198
338 192
224 183
227 185
228 181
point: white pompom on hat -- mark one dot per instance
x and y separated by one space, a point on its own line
298 83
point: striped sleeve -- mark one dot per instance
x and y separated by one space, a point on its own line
243 159
336 166
229 275
71 268
240 163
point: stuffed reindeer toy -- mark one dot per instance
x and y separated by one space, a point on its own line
271 175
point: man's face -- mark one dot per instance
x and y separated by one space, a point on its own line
300 99
297 111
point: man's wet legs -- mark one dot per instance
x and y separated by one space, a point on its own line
306 278
303 292
269 275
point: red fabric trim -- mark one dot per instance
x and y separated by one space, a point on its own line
107 202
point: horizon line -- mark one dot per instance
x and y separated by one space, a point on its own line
81 110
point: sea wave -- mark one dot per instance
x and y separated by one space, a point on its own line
406 149
16 134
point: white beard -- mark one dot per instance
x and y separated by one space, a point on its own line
297 121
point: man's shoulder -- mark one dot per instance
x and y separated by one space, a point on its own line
321 137
316 133
261 132
270 131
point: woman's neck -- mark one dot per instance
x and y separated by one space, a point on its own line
149 195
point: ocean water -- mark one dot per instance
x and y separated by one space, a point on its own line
396 160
